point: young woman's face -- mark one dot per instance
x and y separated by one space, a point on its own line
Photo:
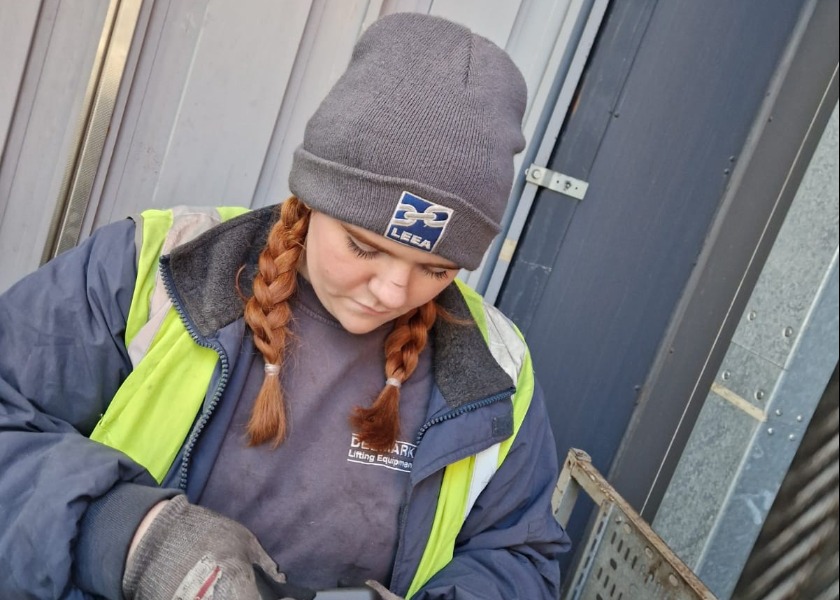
365 280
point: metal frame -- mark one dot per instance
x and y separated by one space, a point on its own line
622 558
94 123
568 60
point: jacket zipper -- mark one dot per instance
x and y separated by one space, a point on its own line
465 408
166 276
462 410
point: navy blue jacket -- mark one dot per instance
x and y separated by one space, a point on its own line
70 505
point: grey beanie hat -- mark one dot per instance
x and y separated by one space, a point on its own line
416 139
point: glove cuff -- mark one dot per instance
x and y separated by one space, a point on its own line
105 534
156 545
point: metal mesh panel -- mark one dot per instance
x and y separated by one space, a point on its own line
623 558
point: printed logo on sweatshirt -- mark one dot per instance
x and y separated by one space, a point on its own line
399 458
417 222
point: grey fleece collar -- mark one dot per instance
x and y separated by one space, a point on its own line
205 272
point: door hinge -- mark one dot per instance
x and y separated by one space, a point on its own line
556 181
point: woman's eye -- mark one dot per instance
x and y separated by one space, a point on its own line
359 249
435 273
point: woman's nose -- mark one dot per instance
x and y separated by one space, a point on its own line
391 287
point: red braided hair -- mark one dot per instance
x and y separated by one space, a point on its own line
267 313
379 425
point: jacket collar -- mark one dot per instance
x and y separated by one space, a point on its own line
206 270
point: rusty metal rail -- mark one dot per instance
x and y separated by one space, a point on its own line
623 558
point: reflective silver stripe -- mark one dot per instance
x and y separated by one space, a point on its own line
188 222
486 465
509 351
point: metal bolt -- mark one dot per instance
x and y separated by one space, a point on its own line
788 332
759 394
751 316
648 552
799 418
726 375
769 431
778 412
567 185
791 437
536 173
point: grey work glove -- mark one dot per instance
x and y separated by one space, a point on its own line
191 552
382 590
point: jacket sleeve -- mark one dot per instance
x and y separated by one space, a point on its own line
510 544
62 357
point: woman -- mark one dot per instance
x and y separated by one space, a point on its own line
188 377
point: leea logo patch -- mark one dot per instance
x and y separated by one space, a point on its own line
417 222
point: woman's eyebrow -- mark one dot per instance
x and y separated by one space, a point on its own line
371 241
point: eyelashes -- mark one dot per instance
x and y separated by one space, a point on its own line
359 251
356 249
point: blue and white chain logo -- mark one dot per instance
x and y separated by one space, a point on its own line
418 222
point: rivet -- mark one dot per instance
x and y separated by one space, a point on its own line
536 173
627 528
759 394
751 316
648 552
769 431
788 332
799 418
672 579
726 375
568 185
778 412
791 437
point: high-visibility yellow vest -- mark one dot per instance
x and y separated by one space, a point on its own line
152 413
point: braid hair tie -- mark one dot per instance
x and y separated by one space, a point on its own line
271 369
393 381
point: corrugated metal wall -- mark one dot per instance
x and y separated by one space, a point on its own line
214 98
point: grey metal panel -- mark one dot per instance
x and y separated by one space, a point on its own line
326 43
796 395
786 130
665 106
202 105
576 150
17 26
493 18
575 38
796 553
594 284
690 508
44 127
711 515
